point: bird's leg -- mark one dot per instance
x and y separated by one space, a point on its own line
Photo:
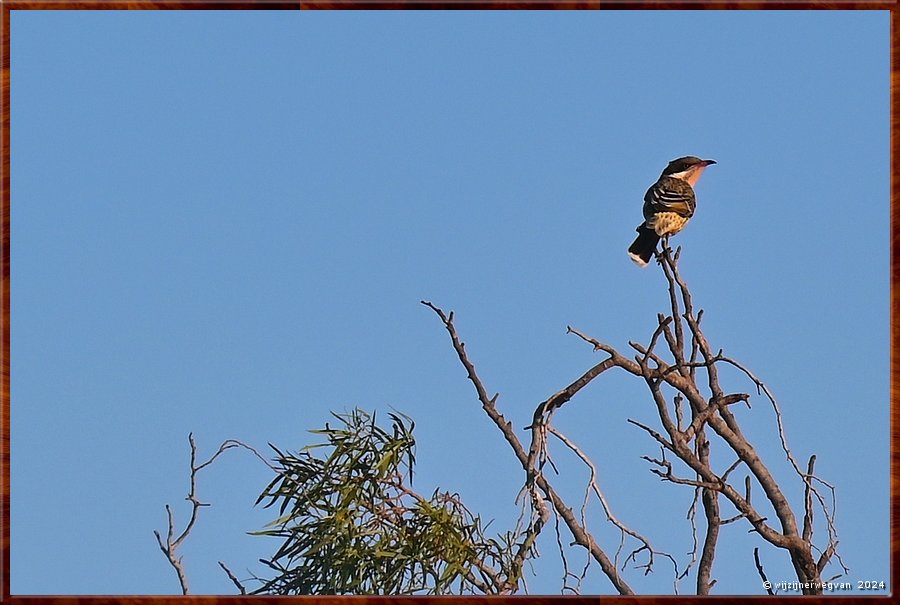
665 248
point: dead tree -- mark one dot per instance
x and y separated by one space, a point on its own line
699 410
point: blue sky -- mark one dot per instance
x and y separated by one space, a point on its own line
223 222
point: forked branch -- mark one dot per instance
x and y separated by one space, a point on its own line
693 408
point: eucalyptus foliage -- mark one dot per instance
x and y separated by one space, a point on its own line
351 523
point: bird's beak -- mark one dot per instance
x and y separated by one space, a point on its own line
708 162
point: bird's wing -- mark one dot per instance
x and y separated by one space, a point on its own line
670 195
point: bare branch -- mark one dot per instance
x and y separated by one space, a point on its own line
595 487
808 478
762 573
233 578
807 501
826 557
559 398
169 551
663 323
701 418
710 499
662 441
731 468
171 544
488 403
580 535
760 386
670 476
737 517
618 358
679 413
677 347
710 414
692 517
662 409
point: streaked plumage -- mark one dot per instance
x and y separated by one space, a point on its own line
668 205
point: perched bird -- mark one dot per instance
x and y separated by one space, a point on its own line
668 205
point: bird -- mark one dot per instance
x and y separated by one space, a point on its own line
668 206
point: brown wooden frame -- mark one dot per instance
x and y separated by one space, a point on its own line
7 6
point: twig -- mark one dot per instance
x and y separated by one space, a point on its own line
730 520
710 499
581 536
171 544
559 398
808 477
808 502
669 266
679 413
701 418
762 573
168 549
669 475
488 403
618 358
595 487
659 438
691 516
731 468
233 579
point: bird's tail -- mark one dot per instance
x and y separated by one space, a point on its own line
641 251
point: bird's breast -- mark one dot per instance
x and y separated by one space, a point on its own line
667 223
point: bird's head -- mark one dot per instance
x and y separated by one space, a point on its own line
689 168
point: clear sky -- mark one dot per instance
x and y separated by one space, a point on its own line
223 222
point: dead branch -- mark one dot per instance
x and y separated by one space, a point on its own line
171 544
762 573
710 498
692 517
488 403
581 536
807 502
233 578
595 488
710 416
808 478
701 418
